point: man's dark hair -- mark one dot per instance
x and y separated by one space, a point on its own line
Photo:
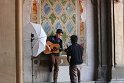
59 31
74 39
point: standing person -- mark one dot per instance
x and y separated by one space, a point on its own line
74 57
54 57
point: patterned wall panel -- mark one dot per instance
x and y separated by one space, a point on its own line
59 14
68 15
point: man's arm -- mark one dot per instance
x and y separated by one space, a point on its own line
68 54
61 46
68 58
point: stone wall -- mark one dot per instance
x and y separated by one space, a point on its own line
119 33
7 42
118 69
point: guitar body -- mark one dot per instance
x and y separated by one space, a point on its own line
51 48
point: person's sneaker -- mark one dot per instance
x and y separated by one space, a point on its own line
54 80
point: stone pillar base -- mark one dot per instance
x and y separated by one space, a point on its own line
118 74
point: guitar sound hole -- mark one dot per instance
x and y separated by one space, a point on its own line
54 48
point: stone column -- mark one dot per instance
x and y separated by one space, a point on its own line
104 39
18 36
10 46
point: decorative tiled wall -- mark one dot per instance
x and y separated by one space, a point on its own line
68 15
59 14
62 14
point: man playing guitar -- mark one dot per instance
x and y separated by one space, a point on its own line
54 45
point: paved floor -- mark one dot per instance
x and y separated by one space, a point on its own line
86 82
65 82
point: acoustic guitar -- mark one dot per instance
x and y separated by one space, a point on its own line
51 48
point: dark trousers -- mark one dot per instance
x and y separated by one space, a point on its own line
75 73
54 62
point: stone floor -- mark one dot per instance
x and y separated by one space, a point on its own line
86 82
65 82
